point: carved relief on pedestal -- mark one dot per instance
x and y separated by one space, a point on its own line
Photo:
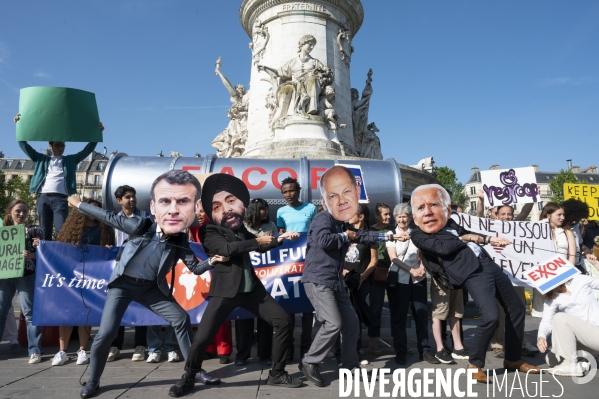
344 44
301 89
259 41
230 142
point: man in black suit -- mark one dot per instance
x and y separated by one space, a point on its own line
141 268
468 264
234 283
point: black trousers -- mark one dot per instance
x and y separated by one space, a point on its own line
306 337
141 333
244 335
486 285
401 298
261 304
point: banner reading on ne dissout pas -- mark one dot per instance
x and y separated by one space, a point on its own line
532 244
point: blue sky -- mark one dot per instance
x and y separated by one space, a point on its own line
469 82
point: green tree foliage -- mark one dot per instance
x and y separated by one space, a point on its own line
448 179
11 189
557 184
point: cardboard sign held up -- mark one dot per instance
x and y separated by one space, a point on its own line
12 245
550 273
587 193
58 114
509 186
357 171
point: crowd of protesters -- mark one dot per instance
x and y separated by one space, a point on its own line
382 259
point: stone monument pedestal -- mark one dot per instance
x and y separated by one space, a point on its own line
304 126
311 148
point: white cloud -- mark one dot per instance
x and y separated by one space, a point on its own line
568 81
42 75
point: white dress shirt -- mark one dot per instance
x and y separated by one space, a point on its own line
579 302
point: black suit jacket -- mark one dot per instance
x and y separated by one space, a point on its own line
457 258
226 277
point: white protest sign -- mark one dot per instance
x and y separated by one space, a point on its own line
509 186
531 244
550 273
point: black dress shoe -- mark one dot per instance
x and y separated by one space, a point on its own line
240 362
283 380
224 359
312 373
89 389
400 359
183 387
206 378
527 353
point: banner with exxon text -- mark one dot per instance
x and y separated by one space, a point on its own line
71 284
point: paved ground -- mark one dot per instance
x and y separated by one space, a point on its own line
126 379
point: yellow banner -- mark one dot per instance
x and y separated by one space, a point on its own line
588 193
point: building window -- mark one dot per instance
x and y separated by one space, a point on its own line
473 206
20 165
94 194
7 164
472 190
540 205
101 166
79 166
96 180
29 177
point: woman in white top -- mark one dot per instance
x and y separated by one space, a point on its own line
564 240
407 284
571 316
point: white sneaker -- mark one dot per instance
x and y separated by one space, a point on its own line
59 359
35 358
114 354
566 369
331 354
82 357
153 357
139 354
364 362
529 345
174 356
